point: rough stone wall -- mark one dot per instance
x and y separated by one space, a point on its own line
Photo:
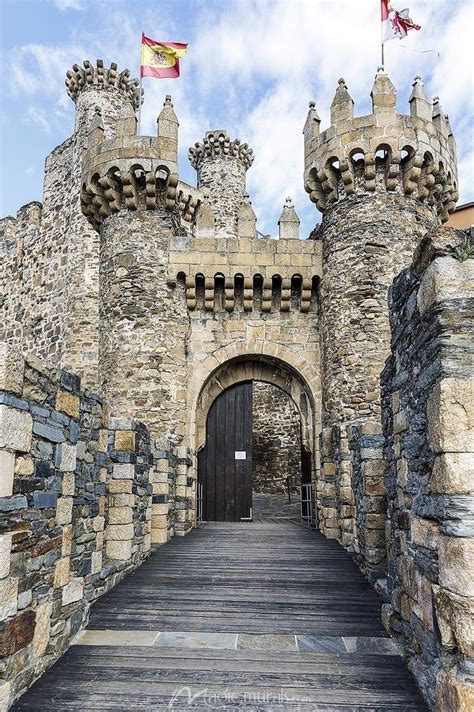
82 503
276 440
428 394
367 240
144 322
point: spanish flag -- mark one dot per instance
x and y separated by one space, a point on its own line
161 59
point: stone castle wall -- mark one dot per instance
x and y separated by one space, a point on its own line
276 440
428 394
84 498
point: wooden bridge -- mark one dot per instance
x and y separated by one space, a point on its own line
265 616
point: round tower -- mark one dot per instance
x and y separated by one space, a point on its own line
381 181
221 166
92 87
129 195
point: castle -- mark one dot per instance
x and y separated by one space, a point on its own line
165 300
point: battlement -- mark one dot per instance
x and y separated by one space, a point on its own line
218 144
99 76
132 172
412 155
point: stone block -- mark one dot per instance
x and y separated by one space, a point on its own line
12 366
44 500
451 416
123 471
118 550
15 429
5 695
455 616
5 552
424 532
48 432
445 279
7 471
68 403
453 694
96 563
125 440
67 540
456 564
62 572
17 632
64 510
120 486
8 597
73 591
119 532
24 465
120 515
159 536
42 628
67 457
453 473
68 487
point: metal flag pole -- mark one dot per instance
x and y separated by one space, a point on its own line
140 91
382 46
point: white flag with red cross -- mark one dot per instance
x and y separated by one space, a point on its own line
395 23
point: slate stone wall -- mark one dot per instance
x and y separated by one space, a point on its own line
80 500
428 397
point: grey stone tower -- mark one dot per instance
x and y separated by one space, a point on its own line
221 165
129 194
381 181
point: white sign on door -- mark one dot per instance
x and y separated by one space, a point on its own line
240 455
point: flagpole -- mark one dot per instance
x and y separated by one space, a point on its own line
382 48
140 91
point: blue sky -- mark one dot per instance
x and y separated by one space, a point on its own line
251 68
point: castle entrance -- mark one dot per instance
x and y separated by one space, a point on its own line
256 457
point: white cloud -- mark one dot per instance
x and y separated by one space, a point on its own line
64 5
38 116
29 171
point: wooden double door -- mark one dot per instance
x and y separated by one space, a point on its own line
225 462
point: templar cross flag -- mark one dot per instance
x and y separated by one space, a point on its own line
161 59
395 23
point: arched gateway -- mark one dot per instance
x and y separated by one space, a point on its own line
226 433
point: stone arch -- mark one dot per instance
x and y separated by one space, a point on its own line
258 361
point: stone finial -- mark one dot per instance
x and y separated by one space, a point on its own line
419 103
342 106
312 123
246 219
289 222
384 94
439 119
168 129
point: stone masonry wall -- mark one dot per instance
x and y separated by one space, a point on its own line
428 397
80 499
276 440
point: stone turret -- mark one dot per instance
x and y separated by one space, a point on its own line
384 151
104 87
129 195
221 166
381 181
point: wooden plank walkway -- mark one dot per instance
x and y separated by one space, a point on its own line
269 616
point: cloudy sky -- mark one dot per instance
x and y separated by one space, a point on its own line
252 67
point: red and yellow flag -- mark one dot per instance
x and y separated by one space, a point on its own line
161 59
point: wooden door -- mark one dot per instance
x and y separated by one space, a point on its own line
225 462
